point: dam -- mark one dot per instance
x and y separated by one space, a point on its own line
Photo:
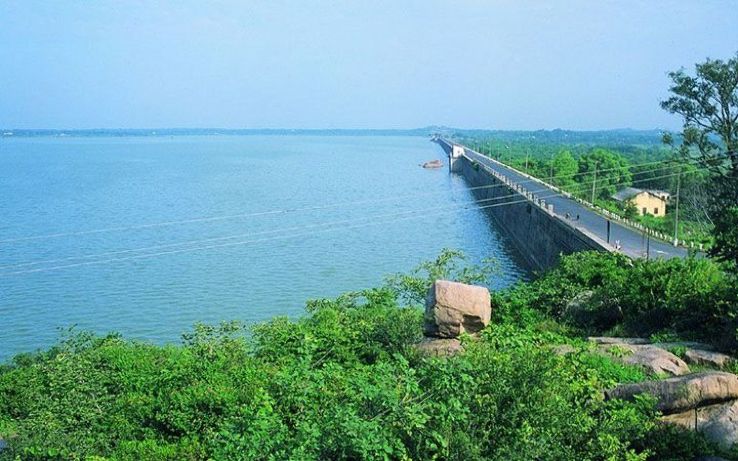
544 221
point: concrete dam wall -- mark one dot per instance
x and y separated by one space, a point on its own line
537 232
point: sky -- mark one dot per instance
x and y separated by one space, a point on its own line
570 64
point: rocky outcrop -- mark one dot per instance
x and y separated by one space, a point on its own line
659 358
683 393
707 358
718 423
651 358
453 308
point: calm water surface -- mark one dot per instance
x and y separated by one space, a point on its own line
146 236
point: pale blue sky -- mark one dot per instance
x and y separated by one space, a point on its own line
514 64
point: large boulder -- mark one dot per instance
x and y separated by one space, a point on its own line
718 423
721 424
651 358
452 308
683 393
707 358
693 353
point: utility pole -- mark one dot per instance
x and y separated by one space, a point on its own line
526 161
676 211
594 184
551 179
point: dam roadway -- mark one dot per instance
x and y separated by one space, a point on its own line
632 242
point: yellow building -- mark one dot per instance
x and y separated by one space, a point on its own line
651 202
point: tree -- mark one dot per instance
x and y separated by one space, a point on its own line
564 169
603 171
708 104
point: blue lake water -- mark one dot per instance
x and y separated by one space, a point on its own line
148 235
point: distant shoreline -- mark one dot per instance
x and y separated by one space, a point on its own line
425 131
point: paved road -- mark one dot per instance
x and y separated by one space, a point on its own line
632 242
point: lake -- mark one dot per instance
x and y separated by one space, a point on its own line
148 235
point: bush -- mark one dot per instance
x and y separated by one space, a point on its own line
324 387
345 381
693 298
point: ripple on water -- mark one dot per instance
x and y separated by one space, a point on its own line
59 185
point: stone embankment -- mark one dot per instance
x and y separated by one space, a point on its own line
453 308
706 401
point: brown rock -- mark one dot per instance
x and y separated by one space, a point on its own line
682 393
707 358
719 422
452 308
651 358
440 347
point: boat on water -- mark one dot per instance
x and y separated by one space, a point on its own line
433 164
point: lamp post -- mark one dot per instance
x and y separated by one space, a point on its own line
676 210
594 184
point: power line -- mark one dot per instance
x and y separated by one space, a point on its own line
251 234
290 210
230 244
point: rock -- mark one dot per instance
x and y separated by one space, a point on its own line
695 354
707 358
685 419
452 308
440 347
651 358
719 423
614 340
433 164
682 393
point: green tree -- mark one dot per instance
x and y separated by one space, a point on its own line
603 171
564 168
708 104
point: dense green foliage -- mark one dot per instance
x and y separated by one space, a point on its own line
622 158
708 105
613 172
690 298
345 382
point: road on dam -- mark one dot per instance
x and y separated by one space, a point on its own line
632 242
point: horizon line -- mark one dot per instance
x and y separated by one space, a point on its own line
4 131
